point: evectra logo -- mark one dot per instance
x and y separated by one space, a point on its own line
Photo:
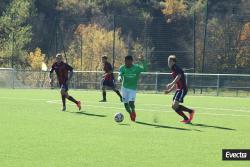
235 154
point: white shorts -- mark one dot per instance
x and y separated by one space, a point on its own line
128 95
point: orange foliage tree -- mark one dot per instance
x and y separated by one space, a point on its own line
174 7
96 41
36 59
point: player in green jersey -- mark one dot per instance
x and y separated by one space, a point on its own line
129 76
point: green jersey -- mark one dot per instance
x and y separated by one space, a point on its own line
130 76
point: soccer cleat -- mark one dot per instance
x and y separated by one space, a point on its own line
79 105
64 108
185 121
104 100
191 116
133 116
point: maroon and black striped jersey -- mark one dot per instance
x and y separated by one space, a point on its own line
108 69
62 69
181 84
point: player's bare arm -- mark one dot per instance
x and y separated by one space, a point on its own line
177 78
106 74
169 89
51 80
119 76
141 57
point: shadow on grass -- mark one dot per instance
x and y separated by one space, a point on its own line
210 126
161 126
88 114
123 124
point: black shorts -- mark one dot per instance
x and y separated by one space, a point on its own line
179 95
108 82
64 86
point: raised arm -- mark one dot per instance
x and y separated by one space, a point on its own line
51 75
143 65
120 75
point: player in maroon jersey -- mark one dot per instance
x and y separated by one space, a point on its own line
108 79
181 90
64 73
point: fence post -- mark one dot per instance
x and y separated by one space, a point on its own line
114 31
81 51
13 78
186 78
156 82
218 84
74 83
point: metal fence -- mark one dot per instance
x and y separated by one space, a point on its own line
150 82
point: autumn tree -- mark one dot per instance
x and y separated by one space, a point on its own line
36 59
96 41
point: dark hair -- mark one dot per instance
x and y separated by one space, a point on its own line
129 57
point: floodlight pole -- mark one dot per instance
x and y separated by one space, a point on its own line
13 43
81 50
204 42
114 23
205 38
12 50
194 40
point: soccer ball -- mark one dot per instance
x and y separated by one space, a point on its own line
119 117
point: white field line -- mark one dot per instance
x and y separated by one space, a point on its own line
160 105
26 99
138 109
96 106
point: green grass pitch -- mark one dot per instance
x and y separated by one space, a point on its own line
35 133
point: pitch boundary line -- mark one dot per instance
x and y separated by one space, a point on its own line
196 107
206 108
120 108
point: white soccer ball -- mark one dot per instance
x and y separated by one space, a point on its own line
119 117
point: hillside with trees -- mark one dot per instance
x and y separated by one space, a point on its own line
206 35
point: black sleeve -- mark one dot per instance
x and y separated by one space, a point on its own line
68 67
52 69
178 70
110 68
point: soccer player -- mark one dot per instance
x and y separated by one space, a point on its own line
64 73
129 75
181 90
108 79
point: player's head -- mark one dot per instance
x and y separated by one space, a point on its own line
59 58
128 61
104 59
171 61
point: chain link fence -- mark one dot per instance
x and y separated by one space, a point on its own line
150 82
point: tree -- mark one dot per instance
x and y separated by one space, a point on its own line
16 32
3 4
36 59
175 9
97 41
